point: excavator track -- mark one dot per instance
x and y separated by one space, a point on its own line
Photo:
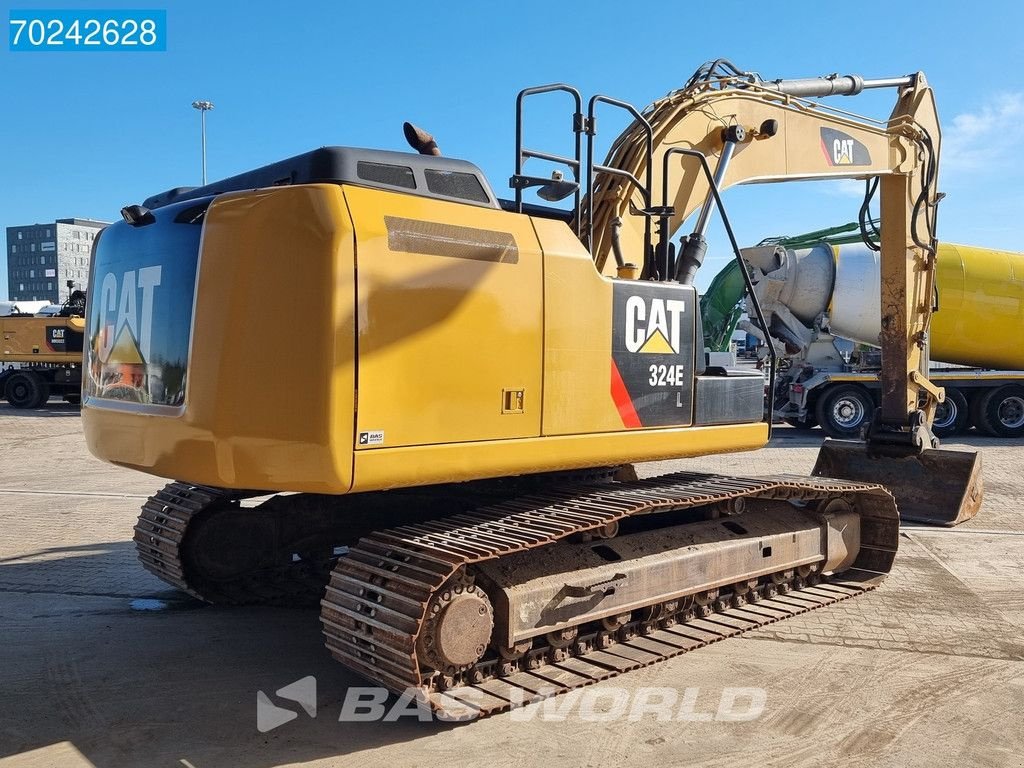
381 608
165 534
161 528
161 541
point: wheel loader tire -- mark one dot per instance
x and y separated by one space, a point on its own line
1003 411
44 393
843 410
26 389
951 416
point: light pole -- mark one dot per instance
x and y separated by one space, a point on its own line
203 107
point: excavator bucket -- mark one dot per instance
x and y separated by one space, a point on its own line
938 487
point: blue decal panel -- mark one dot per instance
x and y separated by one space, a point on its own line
141 303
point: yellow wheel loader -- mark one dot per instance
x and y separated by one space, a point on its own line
41 356
443 392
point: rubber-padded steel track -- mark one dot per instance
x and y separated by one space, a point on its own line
375 606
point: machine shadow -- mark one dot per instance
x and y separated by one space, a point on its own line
99 654
53 409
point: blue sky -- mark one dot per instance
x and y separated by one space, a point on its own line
83 134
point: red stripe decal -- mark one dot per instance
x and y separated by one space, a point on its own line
623 401
824 151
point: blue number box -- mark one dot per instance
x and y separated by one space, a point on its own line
87 30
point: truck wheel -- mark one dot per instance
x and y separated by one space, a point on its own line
26 389
951 416
977 411
843 410
1003 411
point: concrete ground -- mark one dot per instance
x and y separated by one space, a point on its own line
928 669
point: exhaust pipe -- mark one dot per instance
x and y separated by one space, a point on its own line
420 140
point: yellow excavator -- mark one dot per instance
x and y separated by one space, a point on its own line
443 393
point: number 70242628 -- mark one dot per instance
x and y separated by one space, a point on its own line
84 30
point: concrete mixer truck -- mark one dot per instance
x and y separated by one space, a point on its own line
816 294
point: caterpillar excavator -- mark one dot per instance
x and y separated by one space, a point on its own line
445 392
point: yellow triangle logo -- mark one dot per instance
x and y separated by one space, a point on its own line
126 349
657 344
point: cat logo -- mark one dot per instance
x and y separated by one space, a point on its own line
842 149
127 318
55 338
653 325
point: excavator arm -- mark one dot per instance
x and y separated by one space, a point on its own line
766 132
755 131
